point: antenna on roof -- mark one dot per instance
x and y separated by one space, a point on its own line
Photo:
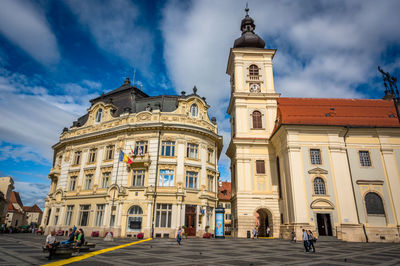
134 75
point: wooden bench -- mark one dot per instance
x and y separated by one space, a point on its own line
66 251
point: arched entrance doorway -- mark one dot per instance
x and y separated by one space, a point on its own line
135 215
264 222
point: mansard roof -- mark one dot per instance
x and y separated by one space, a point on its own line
336 112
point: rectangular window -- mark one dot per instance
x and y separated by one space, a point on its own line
260 167
211 183
100 214
315 155
163 215
105 182
56 220
72 183
228 216
227 206
365 160
210 156
68 217
92 155
77 157
109 152
138 178
191 179
192 150
84 215
166 178
168 148
141 147
88 181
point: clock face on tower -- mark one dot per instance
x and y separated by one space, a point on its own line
255 87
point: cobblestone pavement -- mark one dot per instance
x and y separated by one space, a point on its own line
25 249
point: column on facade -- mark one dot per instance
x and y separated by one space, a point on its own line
180 159
203 171
52 215
393 181
300 206
179 214
149 215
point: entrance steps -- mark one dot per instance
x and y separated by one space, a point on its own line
328 239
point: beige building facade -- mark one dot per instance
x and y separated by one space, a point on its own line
328 165
170 182
6 188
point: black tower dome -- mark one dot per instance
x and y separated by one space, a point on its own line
248 38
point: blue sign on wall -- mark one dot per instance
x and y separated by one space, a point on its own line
219 223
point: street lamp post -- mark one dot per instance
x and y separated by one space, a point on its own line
391 91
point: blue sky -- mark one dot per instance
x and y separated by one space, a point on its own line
56 55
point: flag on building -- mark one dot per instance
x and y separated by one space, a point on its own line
124 158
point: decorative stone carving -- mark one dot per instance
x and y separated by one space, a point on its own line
318 171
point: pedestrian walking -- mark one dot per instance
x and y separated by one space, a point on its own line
311 240
293 236
305 240
179 236
268 231
255 233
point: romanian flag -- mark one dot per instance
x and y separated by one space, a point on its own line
124 158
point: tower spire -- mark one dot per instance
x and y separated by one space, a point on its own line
248 38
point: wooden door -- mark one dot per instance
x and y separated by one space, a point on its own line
190 220
324 224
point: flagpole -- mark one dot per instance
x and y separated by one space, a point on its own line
109 236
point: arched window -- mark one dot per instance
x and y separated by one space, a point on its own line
319 186
253 70
194 110
374 204
99 114
135 215
257 122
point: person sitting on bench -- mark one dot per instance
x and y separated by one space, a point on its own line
51 244
80 239
71 235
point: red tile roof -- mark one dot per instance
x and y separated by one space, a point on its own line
224 190
33 208
15 198
336 112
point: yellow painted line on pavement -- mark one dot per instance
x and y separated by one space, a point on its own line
94 253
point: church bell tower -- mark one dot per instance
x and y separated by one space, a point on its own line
252 110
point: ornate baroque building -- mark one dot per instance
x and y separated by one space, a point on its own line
329 165
171 180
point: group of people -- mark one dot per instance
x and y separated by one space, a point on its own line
309 239
75 238
267 232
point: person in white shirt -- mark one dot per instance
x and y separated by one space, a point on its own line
51 243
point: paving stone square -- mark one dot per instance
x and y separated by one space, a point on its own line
25 249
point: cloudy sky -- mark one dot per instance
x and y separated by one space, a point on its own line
56 55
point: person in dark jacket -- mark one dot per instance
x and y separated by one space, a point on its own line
311 240
71 237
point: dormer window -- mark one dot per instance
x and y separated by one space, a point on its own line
99 114
253 71
194 110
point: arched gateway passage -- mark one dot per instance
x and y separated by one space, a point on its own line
264 222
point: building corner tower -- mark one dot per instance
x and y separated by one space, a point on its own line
252 110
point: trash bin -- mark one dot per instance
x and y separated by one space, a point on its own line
248 234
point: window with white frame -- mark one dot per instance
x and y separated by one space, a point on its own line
228 216
163 215
92 155
138 178
84 215
319 186
211 186
192 150
191 179
365 159
99 115
77 157
100 214
194 110
168 148
72 183
88 181
315 156
210 156
69 213
105 181
141 147
109 152
227 206
166 178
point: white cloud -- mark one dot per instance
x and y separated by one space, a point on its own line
325 48
33 118
32 193
115 29
25 24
